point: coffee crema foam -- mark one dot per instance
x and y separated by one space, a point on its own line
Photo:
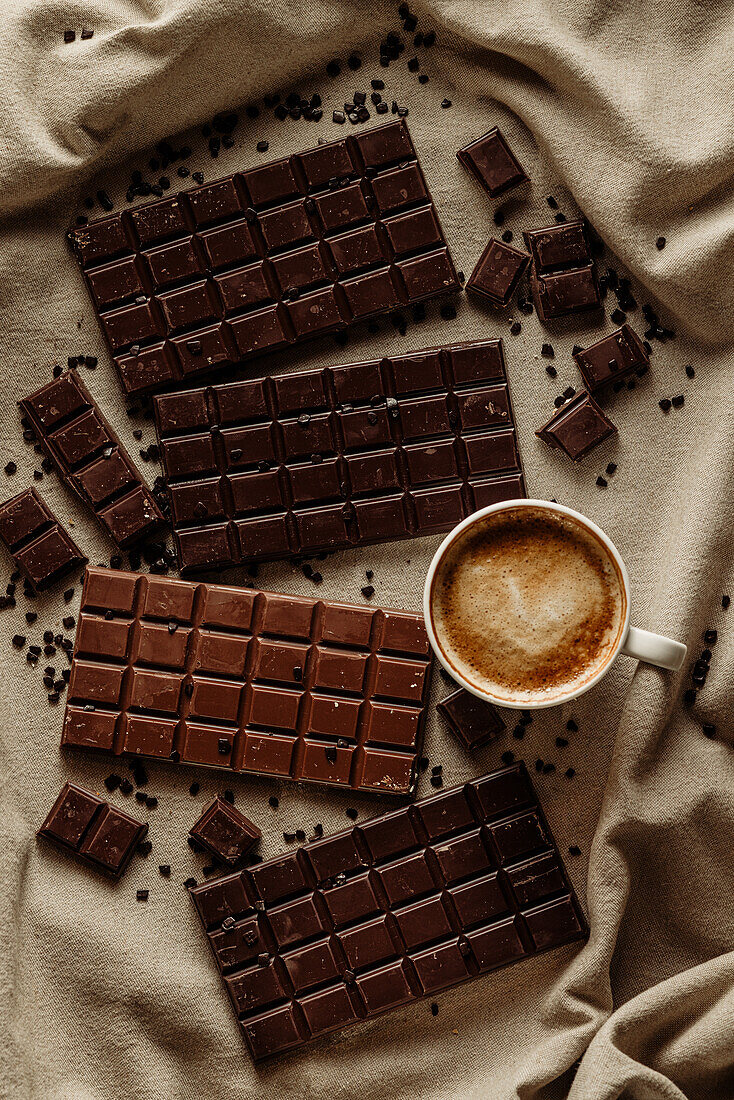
528 605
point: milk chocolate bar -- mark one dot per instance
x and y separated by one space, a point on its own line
39 545
265 259
491 161
577 427
389 912
563 275
100 835
611 358
327 459
225 832
475 721
498 271
89 456
249 681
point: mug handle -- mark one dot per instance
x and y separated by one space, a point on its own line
654 648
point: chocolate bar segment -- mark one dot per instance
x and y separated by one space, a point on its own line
249 681
90 458
498 271
225 832
563 275
98 834
340 457
613 357
389 912
492 163
577 427
265 259
475 721
39 545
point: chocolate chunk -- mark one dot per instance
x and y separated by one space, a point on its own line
40 547
563 276
308 925
98 834
366 681
225 832
577 427
492 163
89 456
498 271
367 248
611 358
474 721
423 439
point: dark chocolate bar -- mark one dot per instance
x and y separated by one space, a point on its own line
611 358
498 272
90 458
327 459
492 163
475 721
225 832
577 427
389 912
39 545
563 275
264 259
100 835
249 681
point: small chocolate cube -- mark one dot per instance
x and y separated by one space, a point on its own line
577 427
225 832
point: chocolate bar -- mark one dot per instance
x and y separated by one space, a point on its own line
389 912
563 275
491 161
577 427
611 358
98 834
249 681
498 271
89 456
475 721
265 259
39 545
225 832
328 459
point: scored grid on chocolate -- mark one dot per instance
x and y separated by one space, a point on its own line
265 258
333 458
389 911
250 681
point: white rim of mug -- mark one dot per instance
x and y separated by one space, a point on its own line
470 521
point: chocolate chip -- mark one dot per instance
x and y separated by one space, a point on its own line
602 482
660 244
142 895
574 850
194 788
709 730
547 351
165 870
710 637
351 813
678 401
665 404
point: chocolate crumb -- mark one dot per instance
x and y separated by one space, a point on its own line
165 870
142 895
660 244
194 789
709 730
574 850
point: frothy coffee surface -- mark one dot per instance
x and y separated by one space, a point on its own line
528 605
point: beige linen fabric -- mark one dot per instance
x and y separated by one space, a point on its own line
624 109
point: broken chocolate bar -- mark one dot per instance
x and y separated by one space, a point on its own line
39 545
328 459
563 275
577 427
249 681
265 259
611 358
389 912
97 833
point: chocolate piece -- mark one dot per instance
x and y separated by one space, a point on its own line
249 681
498 272
611 358
97 833
563 275
225 832
265 259
91 459
474 721
577 427
39 545
391 911
349 455
491 161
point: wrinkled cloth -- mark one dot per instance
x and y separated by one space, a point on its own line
621 111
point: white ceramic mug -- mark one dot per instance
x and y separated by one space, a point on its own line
643 645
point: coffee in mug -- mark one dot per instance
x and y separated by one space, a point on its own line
528 605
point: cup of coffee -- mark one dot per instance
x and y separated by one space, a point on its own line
527 604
